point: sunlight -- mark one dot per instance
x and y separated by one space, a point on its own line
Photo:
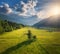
56 10
52 10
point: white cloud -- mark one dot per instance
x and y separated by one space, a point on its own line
47 10
1 6
28 8
6 5
5 9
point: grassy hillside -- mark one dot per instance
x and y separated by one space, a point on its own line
16 42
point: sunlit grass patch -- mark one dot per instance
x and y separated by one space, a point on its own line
46 42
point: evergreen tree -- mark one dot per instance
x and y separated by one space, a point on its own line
29 34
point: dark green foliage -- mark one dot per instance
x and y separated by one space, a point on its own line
29 34
34 37
6 26
1 29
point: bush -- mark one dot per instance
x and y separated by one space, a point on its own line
29 34
8 29
34 37
1 30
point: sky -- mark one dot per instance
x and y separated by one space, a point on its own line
28 11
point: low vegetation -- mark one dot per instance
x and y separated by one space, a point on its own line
17 42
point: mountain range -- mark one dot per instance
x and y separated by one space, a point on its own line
53 21
19 19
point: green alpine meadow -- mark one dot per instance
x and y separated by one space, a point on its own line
29 26
16 42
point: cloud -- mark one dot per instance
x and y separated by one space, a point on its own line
28 8
5 9
47 9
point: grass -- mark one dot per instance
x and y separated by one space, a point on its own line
16 42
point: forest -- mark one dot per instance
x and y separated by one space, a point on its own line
7 26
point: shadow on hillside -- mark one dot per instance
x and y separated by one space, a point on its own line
43 49
27 42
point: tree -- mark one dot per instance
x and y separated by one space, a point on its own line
29 34
1 29
34 37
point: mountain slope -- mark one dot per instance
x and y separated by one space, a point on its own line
19 19
49 22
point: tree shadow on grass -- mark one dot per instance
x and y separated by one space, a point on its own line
27 42
44 51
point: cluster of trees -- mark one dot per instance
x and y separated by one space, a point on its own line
6 26
30 36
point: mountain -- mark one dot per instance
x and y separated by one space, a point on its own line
19 19
5 17
53 21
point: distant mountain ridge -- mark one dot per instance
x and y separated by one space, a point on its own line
19 19
5 17
52 21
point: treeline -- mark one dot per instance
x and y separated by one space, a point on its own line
6 26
